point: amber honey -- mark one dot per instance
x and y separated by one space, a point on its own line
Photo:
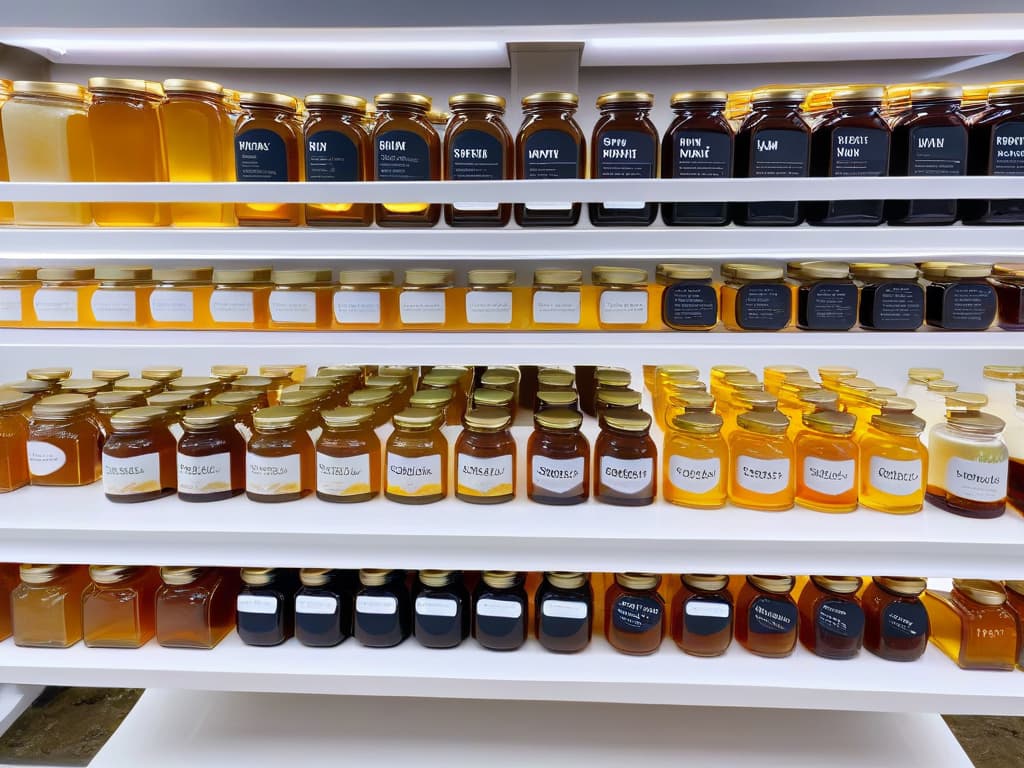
766 616
477 146
702 615
625 460
365 300
180 297
301 299
416 458
424 299
63 297
64 441
337 147
761 462
618 300
972 624
634 614
46 607
139 457
550 145
280 458
241 298
195 607
9 578
210 455
493 301
831 618
121 298
485 458
406 148
118 606
1015 602
348 456
13 440
267 147
827 462
896 625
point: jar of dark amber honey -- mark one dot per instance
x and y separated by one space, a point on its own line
634 614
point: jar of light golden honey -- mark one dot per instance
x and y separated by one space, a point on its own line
180 297
424 297
268 148
301 299
18 286
827 462
365 300
695 461
121 298
6 208
240 298
139 458
14 471
62 299
972 624
621 299
493 302
761 462
557 299
64 442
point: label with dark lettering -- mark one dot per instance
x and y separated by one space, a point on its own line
901 620
550 154
980 481
702 155
704 615
1008 149
331 156
689 305
897 306
968 306
401 156
779 153
841 617
772 616
938 151
831 306
860 152
637 613
260 155
765 307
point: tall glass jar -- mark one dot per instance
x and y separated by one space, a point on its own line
336 147
761 462
6 208
625 460
13 440
406 148
996 139
624 146
550 145
477 147
268 148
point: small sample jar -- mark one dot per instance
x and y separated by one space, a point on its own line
766 616
485 458
500 611
995 139
774 140
240 299
624 145
301 299
18 286
621 298
195 607
695 463
63 297
336 147
416 458
323 608
689 301
64 442
972 624
625 460
831 618
493 302
406 148
827 462
265 606
558 459
423 299
119 606
383 608
826 296
893 464
891 299
14 472
896 625
477 147
46 606
761 462
365 300
959 297
280 461
267 141
211 455
755 298
121 298
564 611
139 457
550 145
634 614
697 145
702 615
442 611
556 299
348 459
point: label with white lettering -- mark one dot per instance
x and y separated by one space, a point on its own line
260 155
401 156
293 307
44 458
10 304
859 152
56 305
779 153
348 476
376 604
550 154
256 604
623 307
421 307
696 476
896 306
475 156
229 306
763 307
563 477
200 475
317 604
113 306
504 609
630 477
485 478
830 306
903 619
707 615
331 156
556 307
626 155
702 155
272 475
436 606
772 616
171 306
968 306
126 477
637 613
689 305
765 476
1007 157
938 151
419 476
896 478
841 617
357 307
489 307
829 478
976 480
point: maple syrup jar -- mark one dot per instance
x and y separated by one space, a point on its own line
826 296
323 608
624 146
702 615
831 619
265 607
267 148
997 149
501 611
564 611
477 147
896 626
441 609
336 147
383 612
550 145
634 614
625 460
891 299
766 616
406 148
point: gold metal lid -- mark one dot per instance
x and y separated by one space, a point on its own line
784 93
374 577
752 271
684 272
366 277
645 581
783 371
436 578
642 98
432 398
1004 372
162 373
417 418
496 103
681 98
430 278
491 277
387 382
841 585
180 85
300 398
363 398
179 575
65 274
119 84
109 375
133 418
48 374
494 398
192 383
975 422
981 590
110 574
778 585
558 277
318 382
242 276
346 417
925 375
694 400
114 401
61 405
821 399
756 398
315 577
898 423
236 399
14 274
721 371
966 401
257 577
566 579
626 420
500 579
400 99
942 385
277 416
764 422
183 275
267 99
705 581
618 398
968 270
558 419
820 270
84 386
908 586
32 573
1015 586
300 276
172 400
498 379
836 372
698 423
208 416
831 422
618 276
857 384
228 373
335 100
555 377
891 272
850 93
252 383
612 377
551 97
12 399
485 419
71 91
933 91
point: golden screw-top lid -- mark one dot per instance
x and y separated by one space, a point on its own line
258 577
698 423
14 274
280 373
242 276
778 585
933 91
1015 586
228 373
719 372
65 274
492 398
755 272
966 401
133 418
374 577
400 99
819 270
1004 372
267 99
346 417
756 398
552 97
612 377
764 422
179 85
48 374
850 93
277 416
641 98
162 373
110 574
252 383
1004 88
335 100
486 419
974 422
173 399
61 405
908 586
436 578
300 398
981 590
366 277
960 271
32 573
495 103
924 375
643 581
318 382
841 585
300 276
83 386
857 384
1007 269
618 276
558 398
889 272
836 372
618 398
179 575
558 419
784 371
385 382
235 399
558 277
942 386
491 277
821 399
71 91
192 383
898 423
430 278
208 416
183 274
555 377
417 418
743 383
893 404
683 272
706 582
107 402
12 399
693 400
626 420
831 422
123 274
566 579
364 398
498 379
109 375
315 577
682 98
796 385
432 398
500 579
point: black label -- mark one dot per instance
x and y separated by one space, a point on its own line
260 156
831 306
401 156
778 153
562 626
475 155
772 616
763 307
702 155
706 624
1008 149
551 154
898 306
331 156
636 613
938 151
689 305
969 305
904 620
841 617
860 152
626 155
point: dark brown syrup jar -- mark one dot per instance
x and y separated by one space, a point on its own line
996 148
477 147
405 148
624 146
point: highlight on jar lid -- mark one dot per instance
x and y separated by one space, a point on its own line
228 373
898 423
387 382
923 92
853 93
179 85
318 382
783 372
618 276
857 384
897 405
618 398
300 398
841 585
638 580
755 397
498 379
48 374
346 417
208 416
754 272
399 99
557 398
775 584
818 270
109 375
12 400
192 383
737 105
694 400
830 422
61 405
257 577
236 400
267 99
364 398
111 402
558 419
981 590
705 581
558 277
605 376
889 272
784 94
486 419
432 398
179 575
682 98
678 272
430 278
15 274
183 275
417 418
162 373
133 418
797 385
818 100
174 400
698 422
1004 372
339 371
378 278
744 382
71 91
65 274
642 99
487 100
436 578
966 401
924 375
555 377
500 579
242 276
374 577
564 98
910 586
488 278
1005 88
566 579
1015 586
763 422
669 372
110 574
821 399
314 577
942 385
300 276
493 398
130 85
836 372
355 103
252 383
32 573
277 416
83 386
627 420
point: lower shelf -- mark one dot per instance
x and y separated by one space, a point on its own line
599 674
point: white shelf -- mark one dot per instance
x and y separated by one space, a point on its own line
176 729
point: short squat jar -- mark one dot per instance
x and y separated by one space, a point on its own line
755 298
556 299
766 616
973 625
500 611
564 612
959 297
195 607
423 299
896 626
64 442
558 459
891 299
550 145
831 618
624 146
478 147
301 299
634 614
265 607
442 611
279 462
622 300
140 457
485 458
1008 282
689 299
348 460
826 296
416 458
625 460
702 615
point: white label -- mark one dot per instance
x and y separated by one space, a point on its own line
124 477
357 307
293 307
256 604
420 307
765 476
626 476
830 478
976 480
548 206
414 477
349 476
897 478
623 307
381 604
315 604
564 609
475 206
113 306
44 458
492 307
557 475
707 608
556 307
169 306
56 305
694 475
436 606
505 609
625 205
272 475
232 306
10 304
204 474
484 477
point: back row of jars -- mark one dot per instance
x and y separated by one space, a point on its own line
184 131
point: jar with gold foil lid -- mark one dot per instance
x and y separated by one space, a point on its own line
755 298
550 145
485 397
63 297
301 299
697 144
556 398
622 301
493 301
551 379
959 297
416 458
635 614
485 457
777 375
827 462
891 298
436 400
702 615
424 297
240 298
564 611
689 301
211 454
993 134
406 148
365 299
337 147
18 285
556 299
280 457
624 145
348 456
477 147
204 387
85 386
267 146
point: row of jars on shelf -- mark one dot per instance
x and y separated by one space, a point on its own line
977 624
134 130
828 446
809 295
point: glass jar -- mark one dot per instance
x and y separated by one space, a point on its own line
301 299
996 137
773 141
265 607
755 298
485 458
6 208
695 462
383 609
893 463
52 377
550 145
689 301
624 145
625 460
1008 282
702 615
827 462
972 624
564 611
621 299
127 145
180 298
64 442
379 401
766 616
406 148
761 462
63 297
199 141
195 607
280 461
139 457
493 302
267 148
477 147
558 457
365 300
831 619
336 147
634 614
121 298
1015 604
323 608
556 299
500 611
46 606
697 145
959 297
119 606
211 455
14 471
826 296
417 458
348 463
442 611
896 625
46 134
891 299
241 299
423 298
18 286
